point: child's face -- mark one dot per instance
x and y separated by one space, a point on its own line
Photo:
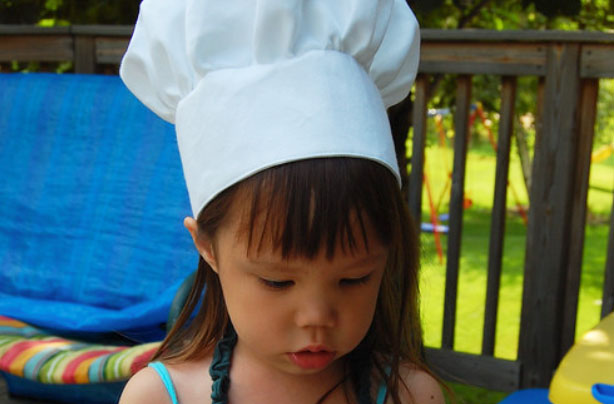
297 315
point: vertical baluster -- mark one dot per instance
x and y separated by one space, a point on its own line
497 226
419 142
461 128
588 114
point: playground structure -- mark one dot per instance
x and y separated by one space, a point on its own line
436 216
436 225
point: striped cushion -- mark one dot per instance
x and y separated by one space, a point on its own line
32 354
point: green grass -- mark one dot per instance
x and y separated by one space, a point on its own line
475 395
474 259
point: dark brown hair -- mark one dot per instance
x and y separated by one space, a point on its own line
306 206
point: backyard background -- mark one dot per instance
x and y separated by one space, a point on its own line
474 254
592 15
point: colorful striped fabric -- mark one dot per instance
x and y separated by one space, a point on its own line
32 354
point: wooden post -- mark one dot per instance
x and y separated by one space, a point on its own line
85 54
587 118
548 238
497 225
461 131
419 142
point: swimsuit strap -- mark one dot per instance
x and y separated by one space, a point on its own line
382 393
220 367
166 379
219 371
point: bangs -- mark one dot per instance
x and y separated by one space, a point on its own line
302 207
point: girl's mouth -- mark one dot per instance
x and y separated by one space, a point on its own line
312 358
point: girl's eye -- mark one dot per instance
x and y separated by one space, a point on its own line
355 281
276 284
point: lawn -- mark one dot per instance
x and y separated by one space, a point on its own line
474 258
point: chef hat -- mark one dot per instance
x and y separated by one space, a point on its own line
254 84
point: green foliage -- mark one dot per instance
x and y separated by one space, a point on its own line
604 131
20 11
53 5
554 7
595 15
493 14
65 12
511 14
486 14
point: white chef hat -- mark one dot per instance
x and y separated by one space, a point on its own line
253 84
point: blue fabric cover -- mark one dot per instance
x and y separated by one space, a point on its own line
92 199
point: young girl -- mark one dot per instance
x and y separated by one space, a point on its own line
307 285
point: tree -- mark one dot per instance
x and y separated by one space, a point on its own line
497 15
68 12
463 13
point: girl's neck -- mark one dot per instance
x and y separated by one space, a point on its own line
257 382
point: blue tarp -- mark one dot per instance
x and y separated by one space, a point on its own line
92 199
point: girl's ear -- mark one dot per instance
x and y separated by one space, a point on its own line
202 244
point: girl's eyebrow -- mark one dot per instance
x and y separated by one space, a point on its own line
285 266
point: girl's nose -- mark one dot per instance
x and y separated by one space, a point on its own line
316 312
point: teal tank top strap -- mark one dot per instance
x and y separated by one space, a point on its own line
166 379
382 391
381 394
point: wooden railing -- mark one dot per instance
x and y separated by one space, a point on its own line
90 48
569 66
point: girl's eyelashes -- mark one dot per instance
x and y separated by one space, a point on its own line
355 281
277 285
280 285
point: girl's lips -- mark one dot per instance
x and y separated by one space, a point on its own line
312 359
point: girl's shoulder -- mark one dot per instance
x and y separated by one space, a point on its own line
145 387
422 387
188 380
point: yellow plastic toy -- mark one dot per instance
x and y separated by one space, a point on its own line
589 361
